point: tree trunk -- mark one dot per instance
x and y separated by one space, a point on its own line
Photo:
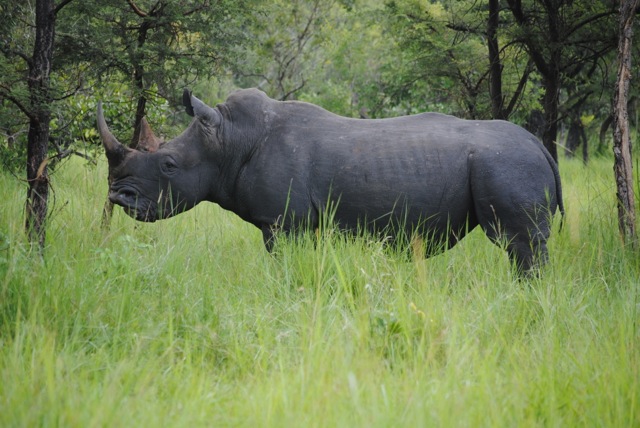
602 136
585 145
495 66
577 137
621 133
38 138
550 105
573 138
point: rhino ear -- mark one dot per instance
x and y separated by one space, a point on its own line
147 140
116 152
186 102
200 110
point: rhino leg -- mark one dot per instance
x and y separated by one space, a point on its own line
287 225
522 232
270 233
528 251
268 237
514 208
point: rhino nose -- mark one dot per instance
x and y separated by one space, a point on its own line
122 197
114 198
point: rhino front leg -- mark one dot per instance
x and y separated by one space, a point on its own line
269 236
270 232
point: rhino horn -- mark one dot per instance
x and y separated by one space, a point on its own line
147 141
115 151
195 107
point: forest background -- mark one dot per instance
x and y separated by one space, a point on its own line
547 65
370 58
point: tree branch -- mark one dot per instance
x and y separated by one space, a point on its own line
10 52
588 20
60 6
294 90
5 92
520 89
204 5
137 10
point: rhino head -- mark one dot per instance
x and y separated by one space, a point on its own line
158 180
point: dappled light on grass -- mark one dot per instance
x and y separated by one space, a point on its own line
189 321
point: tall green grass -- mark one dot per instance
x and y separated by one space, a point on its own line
189 322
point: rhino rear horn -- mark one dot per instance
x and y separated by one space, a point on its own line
115 151
147 141
195 107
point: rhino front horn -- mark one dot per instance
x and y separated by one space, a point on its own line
115 151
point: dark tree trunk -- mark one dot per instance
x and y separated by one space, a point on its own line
546 55
621 132
577 137
38 138
550 105
573 138
495 66
585 145
552 78
535 123
602 137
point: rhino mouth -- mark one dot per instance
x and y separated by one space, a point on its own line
133 205
139 214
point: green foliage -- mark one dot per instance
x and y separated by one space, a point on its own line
170 42
355 48
370 58
288 45
75 118
444 62
145 49
328 53
189 321
13 85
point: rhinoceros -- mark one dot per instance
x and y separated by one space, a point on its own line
281 165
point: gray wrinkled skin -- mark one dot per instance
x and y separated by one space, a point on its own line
281 165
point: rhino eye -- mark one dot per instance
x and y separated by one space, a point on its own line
169 166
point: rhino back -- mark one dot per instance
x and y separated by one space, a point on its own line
416 166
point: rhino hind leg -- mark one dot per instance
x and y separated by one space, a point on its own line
514 207
528 254
523 232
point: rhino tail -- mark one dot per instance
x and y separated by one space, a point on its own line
556 173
